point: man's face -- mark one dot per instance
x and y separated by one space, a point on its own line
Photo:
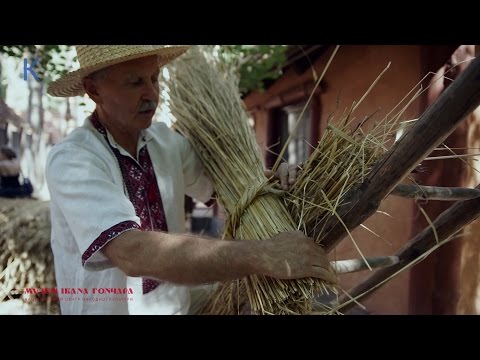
129 93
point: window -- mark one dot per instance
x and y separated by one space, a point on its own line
298 146
281 124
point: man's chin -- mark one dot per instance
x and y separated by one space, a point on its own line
146 118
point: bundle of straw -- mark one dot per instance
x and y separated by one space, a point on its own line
341 159
26 259
209 112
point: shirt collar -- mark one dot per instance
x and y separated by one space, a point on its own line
144 136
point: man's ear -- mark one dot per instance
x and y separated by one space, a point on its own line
91 88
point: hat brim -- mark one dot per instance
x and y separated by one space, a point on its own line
70 84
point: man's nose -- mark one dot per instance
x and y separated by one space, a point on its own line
151 91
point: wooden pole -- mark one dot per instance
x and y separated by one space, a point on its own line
435 192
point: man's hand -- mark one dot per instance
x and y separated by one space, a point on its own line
292 255
287 174
459 60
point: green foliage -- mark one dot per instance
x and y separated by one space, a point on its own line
53 60
254 63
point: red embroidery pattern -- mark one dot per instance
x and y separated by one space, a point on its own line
106 236
143 192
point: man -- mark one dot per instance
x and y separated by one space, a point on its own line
117 188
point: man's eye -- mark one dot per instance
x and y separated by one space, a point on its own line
137 82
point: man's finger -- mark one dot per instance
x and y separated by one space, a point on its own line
283 175
323 274
292 174
268 173
321 260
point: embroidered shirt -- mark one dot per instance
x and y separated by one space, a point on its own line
98 191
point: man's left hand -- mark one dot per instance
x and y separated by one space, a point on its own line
287 174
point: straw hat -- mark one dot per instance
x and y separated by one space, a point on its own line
96 57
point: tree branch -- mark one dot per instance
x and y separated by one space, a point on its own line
435 192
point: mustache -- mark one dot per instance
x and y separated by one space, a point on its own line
147 106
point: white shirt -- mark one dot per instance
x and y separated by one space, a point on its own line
89 207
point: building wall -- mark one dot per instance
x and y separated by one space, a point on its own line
350 75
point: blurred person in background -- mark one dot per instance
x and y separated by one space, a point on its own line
10 173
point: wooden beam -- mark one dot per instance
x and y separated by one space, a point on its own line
435 192
293 96
446 225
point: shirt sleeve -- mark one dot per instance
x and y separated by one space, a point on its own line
94 207
197 182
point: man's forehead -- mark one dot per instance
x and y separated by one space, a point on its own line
142 65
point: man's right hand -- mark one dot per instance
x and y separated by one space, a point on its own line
459 61
292 255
